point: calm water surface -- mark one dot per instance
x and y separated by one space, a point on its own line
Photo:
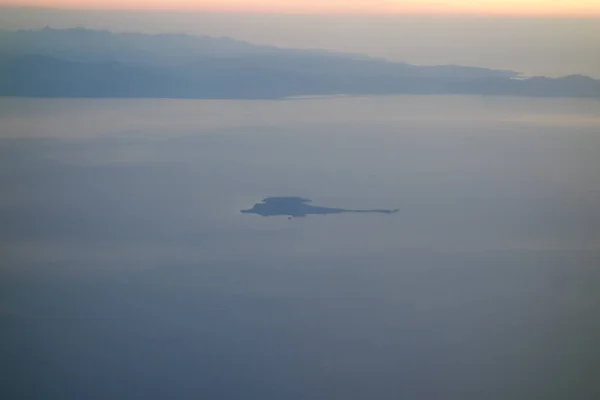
127 270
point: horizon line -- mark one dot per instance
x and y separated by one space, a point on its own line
374 13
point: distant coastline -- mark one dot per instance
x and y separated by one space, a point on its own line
82 63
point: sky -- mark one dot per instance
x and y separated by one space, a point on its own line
479 7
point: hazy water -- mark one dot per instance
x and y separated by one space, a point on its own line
128 271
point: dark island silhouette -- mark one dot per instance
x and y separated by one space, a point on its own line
299 207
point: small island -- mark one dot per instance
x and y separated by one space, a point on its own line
299 207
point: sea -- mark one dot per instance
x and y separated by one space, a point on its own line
128 271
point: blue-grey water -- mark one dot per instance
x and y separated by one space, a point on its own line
127 270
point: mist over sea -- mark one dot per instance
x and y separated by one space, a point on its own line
128 271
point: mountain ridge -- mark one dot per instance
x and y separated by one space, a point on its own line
87 63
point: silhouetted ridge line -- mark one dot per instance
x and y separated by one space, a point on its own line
86 63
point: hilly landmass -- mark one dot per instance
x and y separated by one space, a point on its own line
88 63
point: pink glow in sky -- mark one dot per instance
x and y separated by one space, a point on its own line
490 7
